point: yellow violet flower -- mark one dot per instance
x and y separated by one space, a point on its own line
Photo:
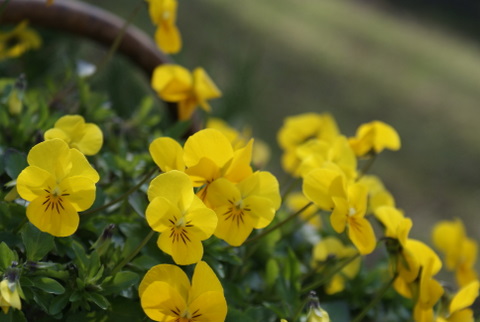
316 313
59 182
458 310
350 212
163 13
9 296
174 83
167 153
430 291
16 42
374 137
396 225
242 207
332 248
85 137
167 295
180 217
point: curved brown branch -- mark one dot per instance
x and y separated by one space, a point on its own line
88 21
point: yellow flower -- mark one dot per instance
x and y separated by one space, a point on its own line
460 251
378 194
164 14
297 201
350 212
458 310
174 83
16 42
396 225
167 295
242 207
85 137
298 130
58 183
374 137
430 291
182 218
206 156
9 296
315 312
331 248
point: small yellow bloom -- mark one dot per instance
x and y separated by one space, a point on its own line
9 296
316 313
329 249
180 216
378 194
59 182
174 83
16 42
458 310
242 207
430 291
374 137
396 225
85 137
163 13
167 295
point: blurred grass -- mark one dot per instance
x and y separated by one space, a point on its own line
276 58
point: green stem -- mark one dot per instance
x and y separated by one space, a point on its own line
278 225
134 253
123 196
330 275
300 309
118 39
375 300
289 189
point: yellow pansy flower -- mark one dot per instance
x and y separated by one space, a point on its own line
374 137
395 223
316 313
207 155
350 212
300 129
163 14
59 182
174 83
378 194
16 42
85 137
167 295
458 310
9 296
460 251
331 248
180 217
242 207
429 292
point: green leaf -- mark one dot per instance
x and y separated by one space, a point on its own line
15 162
48 285
58 304
272 272
120 282
13 316
6 256
37 243
98 299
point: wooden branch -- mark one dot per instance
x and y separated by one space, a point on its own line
88 21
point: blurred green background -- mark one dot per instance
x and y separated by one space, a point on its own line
415 66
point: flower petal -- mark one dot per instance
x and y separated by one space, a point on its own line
210 144
162 302
167 153
170 274
175 186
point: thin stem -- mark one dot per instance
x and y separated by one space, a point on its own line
278 225
375 300
300 308
367 166
118 39
330 275
289 189
134 253
123 196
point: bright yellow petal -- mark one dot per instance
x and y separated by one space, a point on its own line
465 315
52 156
204 87
170 274
175 186
161 214
221 192
12 298
167 153
233 227
91 141
321 185
32 182
187 251
210 144
204 172
80 166
335 285
209 307
203 219
204 280
173 83
260 209
239 167
361 234
79 192
59 221
338 217
168 38
262 184
55 133
465 297
162 302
